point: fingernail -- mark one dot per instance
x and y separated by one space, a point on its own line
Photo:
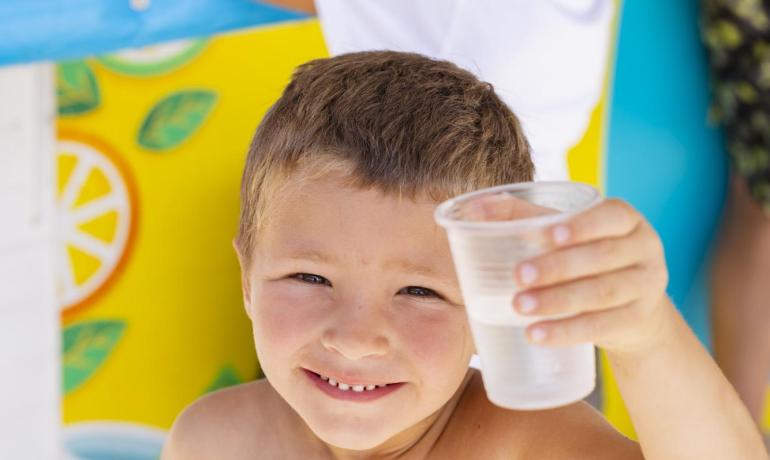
537 335
526 303
560 234
527 273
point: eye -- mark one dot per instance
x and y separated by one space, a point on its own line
417 291
311 279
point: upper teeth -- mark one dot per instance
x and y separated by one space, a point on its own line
346 387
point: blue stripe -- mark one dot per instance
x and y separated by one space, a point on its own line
34 30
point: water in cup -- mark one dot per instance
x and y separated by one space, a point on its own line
517 374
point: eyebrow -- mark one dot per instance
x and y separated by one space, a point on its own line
405 266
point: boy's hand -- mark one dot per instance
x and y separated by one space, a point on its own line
609 270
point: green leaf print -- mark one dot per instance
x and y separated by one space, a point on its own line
175 118
86 345
226 377
76 89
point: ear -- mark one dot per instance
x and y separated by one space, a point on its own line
245 285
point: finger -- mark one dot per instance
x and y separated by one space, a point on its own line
501 206
597 327
589 259
599 292
611 218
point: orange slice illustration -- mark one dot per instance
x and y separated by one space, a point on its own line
96 214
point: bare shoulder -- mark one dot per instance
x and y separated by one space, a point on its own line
223 424
577 431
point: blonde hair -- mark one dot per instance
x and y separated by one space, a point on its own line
400 122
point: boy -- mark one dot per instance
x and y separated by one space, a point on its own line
358 319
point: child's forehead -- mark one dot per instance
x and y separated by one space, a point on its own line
327 210
338 188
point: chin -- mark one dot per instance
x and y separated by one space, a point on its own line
351 439
352 435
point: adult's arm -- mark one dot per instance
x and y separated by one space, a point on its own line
303 6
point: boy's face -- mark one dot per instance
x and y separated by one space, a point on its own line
357 285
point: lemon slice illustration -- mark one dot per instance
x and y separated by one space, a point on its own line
96 210
154 59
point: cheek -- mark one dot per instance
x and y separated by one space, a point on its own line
285 318
437 342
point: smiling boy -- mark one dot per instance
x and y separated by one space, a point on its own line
358 320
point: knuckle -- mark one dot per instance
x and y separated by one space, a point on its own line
620 205
655 246
607 291
655 278
628 217
606 249
647 276
664 277
658 282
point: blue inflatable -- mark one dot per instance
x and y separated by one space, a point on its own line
663 157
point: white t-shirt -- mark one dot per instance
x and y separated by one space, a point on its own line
545 58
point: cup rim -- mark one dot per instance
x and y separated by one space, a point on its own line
448 223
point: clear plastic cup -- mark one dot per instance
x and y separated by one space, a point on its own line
486 245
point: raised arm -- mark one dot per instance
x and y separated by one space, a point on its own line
681 404
609 270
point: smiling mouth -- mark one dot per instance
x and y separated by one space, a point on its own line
359 387
356 392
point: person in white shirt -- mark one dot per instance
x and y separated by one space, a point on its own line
547 59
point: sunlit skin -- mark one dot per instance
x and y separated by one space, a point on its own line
347 281
361 285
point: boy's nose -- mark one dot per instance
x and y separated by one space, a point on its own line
355 337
